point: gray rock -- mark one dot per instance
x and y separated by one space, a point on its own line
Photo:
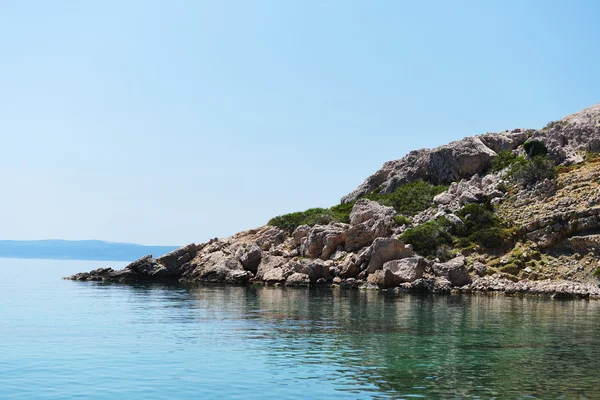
250 258
323 240
455 161
297 279
386 249
300 233
406 270
454 270
175 259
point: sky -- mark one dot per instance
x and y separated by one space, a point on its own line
170 122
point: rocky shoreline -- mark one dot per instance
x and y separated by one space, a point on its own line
481 230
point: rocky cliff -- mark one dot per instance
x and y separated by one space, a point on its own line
514 212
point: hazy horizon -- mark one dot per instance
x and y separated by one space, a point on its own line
154 123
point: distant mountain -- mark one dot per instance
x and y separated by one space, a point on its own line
96 250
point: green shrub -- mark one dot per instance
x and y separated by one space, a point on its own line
552 124
528 171
534 148
428 237
410 198
503 160
341 212
596 272
311 217
402 220
482 226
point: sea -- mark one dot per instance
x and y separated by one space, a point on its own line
63 339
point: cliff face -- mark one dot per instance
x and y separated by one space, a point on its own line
497 228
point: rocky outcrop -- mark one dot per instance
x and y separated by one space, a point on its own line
568 138
323 240
550 230
369 220
386 249
445 164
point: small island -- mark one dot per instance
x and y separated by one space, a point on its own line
514 212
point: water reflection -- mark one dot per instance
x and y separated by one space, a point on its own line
387 345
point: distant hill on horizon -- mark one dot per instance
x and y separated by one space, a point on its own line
87 250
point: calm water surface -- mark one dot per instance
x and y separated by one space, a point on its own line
72 340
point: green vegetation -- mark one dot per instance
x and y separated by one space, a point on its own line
428 238
481 226
408 199
411 198
528 171
341 212
534 148
596 273
312 216
553 124
504 160
402 220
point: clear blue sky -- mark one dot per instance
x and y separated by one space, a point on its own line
167 122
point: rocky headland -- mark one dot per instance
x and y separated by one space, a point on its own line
515 212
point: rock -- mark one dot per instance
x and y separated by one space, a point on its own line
349 270
479 268
215 267
175 259
338 255
250 259
406 270
365 210
449 163
314 269
297 279
271 238
578 132
270 269
381 278
300 233
454 270
369 220
386 249
322 240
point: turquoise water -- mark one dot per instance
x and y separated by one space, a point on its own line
72 340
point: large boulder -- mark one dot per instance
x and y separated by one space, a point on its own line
300 233
297 279
454 270
365 210
315 269
406 270
250 257
174 260
273 269
384 250
323 240
369 220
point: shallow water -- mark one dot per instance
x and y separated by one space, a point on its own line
72 340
